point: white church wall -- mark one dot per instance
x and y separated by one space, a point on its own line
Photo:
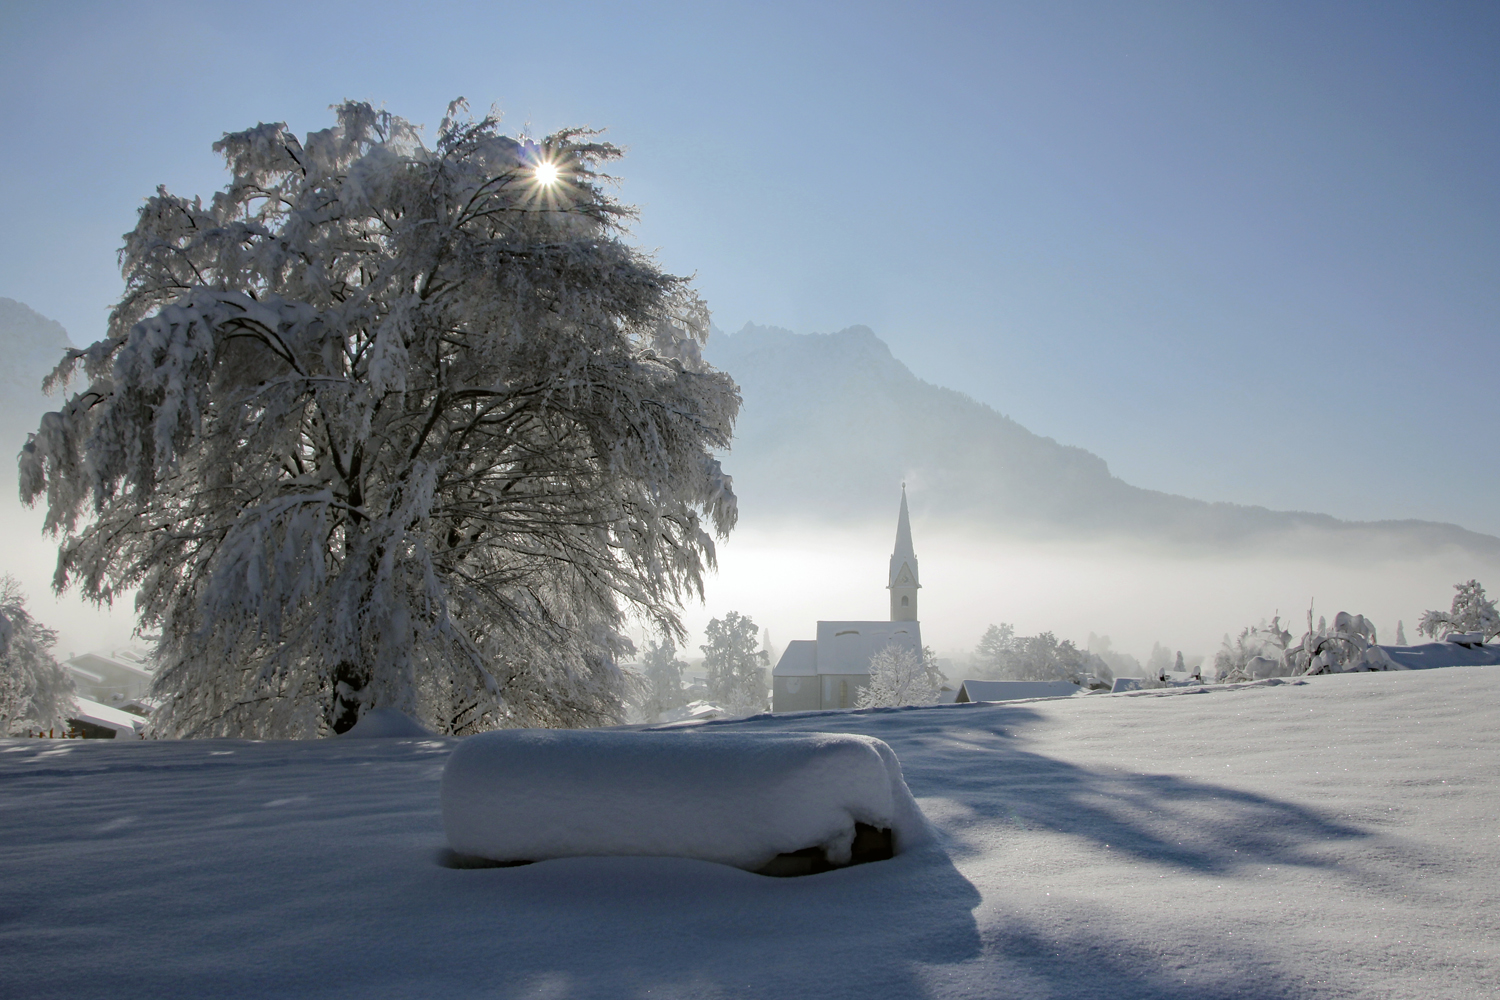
795 693
840 690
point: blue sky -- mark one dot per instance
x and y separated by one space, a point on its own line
1244 252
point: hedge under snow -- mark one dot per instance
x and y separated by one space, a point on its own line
735 798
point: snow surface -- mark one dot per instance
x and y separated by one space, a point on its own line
385 724
1328 837
738 798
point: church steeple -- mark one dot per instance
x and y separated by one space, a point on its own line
904 582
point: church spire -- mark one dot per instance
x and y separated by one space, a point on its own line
904 582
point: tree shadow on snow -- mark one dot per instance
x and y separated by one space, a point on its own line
976 764
1167 819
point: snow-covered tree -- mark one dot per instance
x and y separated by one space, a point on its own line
388 425
1003 654
1117 663
899 676
1160 662
736 669
1400 632
1268 651
36 693
1335 649
1471 612
992 655
662 679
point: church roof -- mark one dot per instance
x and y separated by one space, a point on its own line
799 660
846 647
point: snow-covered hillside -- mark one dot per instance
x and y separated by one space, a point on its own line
1331 837
832 422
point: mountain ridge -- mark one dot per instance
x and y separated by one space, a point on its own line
832 423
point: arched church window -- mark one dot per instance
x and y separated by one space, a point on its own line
905 601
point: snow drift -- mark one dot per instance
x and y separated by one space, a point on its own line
739 799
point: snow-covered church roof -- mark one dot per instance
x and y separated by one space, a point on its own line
800 659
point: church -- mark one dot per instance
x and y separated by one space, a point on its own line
827 672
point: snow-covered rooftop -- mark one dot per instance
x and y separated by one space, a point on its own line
1434 654
799 659
981 690
98 714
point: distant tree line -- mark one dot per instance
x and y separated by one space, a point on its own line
1003 655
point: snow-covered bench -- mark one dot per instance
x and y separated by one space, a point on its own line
778 803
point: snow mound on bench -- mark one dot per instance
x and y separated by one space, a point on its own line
735 798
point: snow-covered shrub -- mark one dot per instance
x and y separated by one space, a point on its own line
36 693
384 425
1267 650
1471 612
899 676
1258 651
736 669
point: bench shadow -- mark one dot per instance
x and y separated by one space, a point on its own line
679 927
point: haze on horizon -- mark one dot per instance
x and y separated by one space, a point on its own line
1245 254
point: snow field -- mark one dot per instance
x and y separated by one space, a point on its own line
1336 837
737 798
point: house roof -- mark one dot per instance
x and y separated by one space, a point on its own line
1013 690
100 666
103 715
1434 654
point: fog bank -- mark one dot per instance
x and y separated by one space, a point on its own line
788 576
